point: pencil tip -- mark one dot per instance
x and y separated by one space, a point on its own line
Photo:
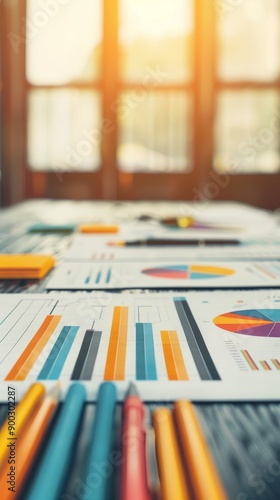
132 390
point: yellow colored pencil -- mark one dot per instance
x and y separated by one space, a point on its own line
205 479
171 473
28 444
12 427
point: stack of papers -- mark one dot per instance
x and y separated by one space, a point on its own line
25 266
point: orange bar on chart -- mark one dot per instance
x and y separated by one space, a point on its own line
265 365
276 363
33 350
249 360
174 360
115 362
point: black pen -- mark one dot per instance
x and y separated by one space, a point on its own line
175 242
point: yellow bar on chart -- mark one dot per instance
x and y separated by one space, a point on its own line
116 356
33 350
174 361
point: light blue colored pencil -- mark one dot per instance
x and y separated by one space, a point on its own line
55 463
99 455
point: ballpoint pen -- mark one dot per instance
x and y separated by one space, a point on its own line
174 242
134 484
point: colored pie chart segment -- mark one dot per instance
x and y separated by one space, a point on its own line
255 322
183 272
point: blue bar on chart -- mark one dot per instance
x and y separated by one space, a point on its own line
98 277
145 352
86 359
94 277
57 357
108 277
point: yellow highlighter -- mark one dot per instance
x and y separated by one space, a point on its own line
98 228
204 476
173 483
18 417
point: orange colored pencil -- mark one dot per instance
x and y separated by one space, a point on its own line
23 412
173 483
205 479
28 444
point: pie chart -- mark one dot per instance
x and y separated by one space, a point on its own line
183 272
255 322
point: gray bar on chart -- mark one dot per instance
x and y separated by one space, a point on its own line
200 353
86 359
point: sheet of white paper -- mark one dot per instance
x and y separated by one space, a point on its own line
196 345
92 248
164 274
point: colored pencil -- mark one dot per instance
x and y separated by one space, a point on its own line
173 482
152 467
52 472
134 482
204 476
23 411
102 438
28 444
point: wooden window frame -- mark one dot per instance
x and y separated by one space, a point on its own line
202 183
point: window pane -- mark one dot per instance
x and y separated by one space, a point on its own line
156 34
249 40
63 130
63 41
154 136
247 132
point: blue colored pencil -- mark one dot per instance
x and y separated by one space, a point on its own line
99 455
55 463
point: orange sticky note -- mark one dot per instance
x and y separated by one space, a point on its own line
98 228
25 266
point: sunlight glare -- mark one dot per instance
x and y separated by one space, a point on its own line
155 19
62 48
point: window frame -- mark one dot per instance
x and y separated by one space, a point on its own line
201 184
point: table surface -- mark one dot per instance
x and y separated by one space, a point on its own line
243 438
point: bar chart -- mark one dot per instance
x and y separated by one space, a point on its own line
255 365
246 323
159 338
106 338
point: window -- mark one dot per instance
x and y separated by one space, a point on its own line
133 99
65 85
248 84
